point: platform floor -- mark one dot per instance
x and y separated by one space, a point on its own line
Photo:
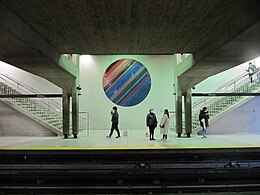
134 139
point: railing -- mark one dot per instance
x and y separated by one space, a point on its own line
84 124
22 88
217 105
14 87
227 87
172 125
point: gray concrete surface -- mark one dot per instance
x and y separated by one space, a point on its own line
220 34
14 123
24 48
135 139
242 120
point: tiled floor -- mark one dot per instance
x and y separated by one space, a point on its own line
129 140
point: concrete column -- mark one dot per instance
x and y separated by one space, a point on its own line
75 98
75 111
188 112
66 113
178 109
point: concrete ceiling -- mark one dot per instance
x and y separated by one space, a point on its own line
133 26
219 33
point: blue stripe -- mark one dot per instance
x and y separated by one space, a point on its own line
123 80
122 99
119 74
130 101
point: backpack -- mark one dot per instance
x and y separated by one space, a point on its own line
201 115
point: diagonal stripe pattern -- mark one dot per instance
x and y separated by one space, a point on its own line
126 82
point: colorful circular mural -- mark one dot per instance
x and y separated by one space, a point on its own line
126 82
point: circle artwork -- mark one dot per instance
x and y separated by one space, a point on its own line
126 82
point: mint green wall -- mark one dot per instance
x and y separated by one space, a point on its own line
94 100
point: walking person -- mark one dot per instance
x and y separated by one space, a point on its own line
164 124
151 122
204 121
251 70
115 121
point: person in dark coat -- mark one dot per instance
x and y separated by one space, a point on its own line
115 121
151 122
251 70
204 121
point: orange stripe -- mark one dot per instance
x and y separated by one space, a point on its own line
116 72
114 67
120 76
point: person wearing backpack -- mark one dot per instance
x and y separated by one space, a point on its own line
204 121
151 122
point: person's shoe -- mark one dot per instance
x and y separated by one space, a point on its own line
65 136
75 136
153 139
108 137
117 136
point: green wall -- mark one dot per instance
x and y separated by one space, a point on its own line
94 100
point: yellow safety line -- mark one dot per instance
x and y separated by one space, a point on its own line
127 148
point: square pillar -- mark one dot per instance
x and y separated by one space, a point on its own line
178 110
75 111
75 98
188 112
65 113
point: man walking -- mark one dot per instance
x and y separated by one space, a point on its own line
115 121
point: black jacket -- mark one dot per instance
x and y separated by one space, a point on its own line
115 117
205 116
151 119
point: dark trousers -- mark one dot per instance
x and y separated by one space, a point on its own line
164 136
251 77
151 131
114 127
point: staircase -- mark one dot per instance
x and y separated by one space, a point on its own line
48 111
218 105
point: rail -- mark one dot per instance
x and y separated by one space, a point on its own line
239 84
16 87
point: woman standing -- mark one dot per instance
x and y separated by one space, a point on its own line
164 125
151 122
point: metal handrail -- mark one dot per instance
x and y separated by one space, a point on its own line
27 89
232 84
240 84
52 105
222 87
